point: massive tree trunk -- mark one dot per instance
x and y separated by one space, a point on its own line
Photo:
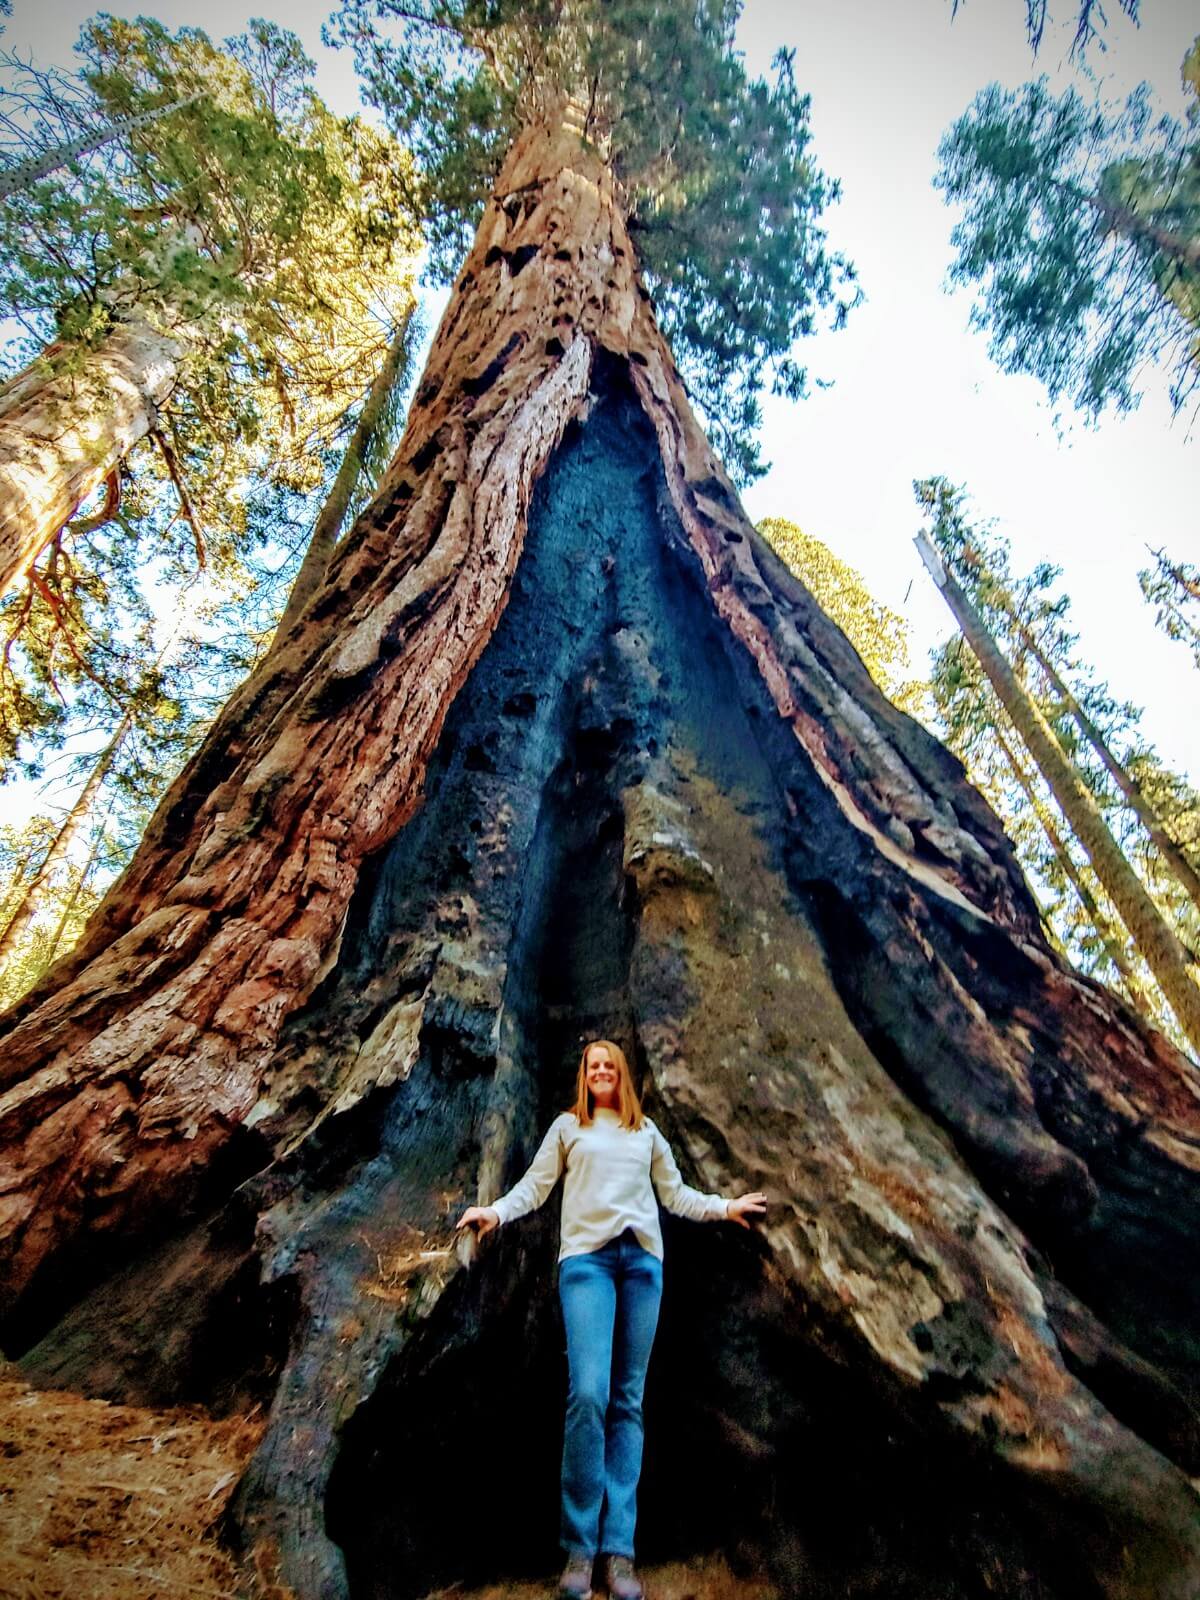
65 423
560 748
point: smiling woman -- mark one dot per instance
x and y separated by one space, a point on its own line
610 1287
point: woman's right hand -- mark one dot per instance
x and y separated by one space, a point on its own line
482 1218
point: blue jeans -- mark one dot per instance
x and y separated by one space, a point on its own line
610 1300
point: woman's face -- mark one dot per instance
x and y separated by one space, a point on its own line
601 1075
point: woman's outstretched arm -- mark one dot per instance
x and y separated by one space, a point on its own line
530 1192
691 1203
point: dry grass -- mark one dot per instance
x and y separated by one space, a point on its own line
104 1502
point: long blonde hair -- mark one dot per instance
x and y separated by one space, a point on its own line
629 1107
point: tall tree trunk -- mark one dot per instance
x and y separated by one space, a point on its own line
333 513
65 423
26 173
560 748
1158 944
1092 909
1177 863
81 882
60 845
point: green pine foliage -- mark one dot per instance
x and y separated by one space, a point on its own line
1173 589
71 899
723 197
1080 229
278 242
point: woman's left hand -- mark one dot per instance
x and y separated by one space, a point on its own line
747 1205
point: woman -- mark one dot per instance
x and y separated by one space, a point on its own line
610 1285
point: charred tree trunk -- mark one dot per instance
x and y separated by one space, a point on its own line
560 748
65 423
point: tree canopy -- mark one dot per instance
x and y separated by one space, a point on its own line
1173 589
1081 231
275 240
723 197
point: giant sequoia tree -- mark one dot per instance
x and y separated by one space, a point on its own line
560 747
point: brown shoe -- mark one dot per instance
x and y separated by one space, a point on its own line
621 1580
576 1580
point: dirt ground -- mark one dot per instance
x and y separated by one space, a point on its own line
105 1502
705 1578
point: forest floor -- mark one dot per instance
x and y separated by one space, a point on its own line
109 1502
105 1502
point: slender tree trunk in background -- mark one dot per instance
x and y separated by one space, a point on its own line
65 423
26 173
560 749
1092 908
81 882
60 846
333 513
1185 874
1158 944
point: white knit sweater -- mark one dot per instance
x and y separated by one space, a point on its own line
609 1170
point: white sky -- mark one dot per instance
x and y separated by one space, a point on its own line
914 391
